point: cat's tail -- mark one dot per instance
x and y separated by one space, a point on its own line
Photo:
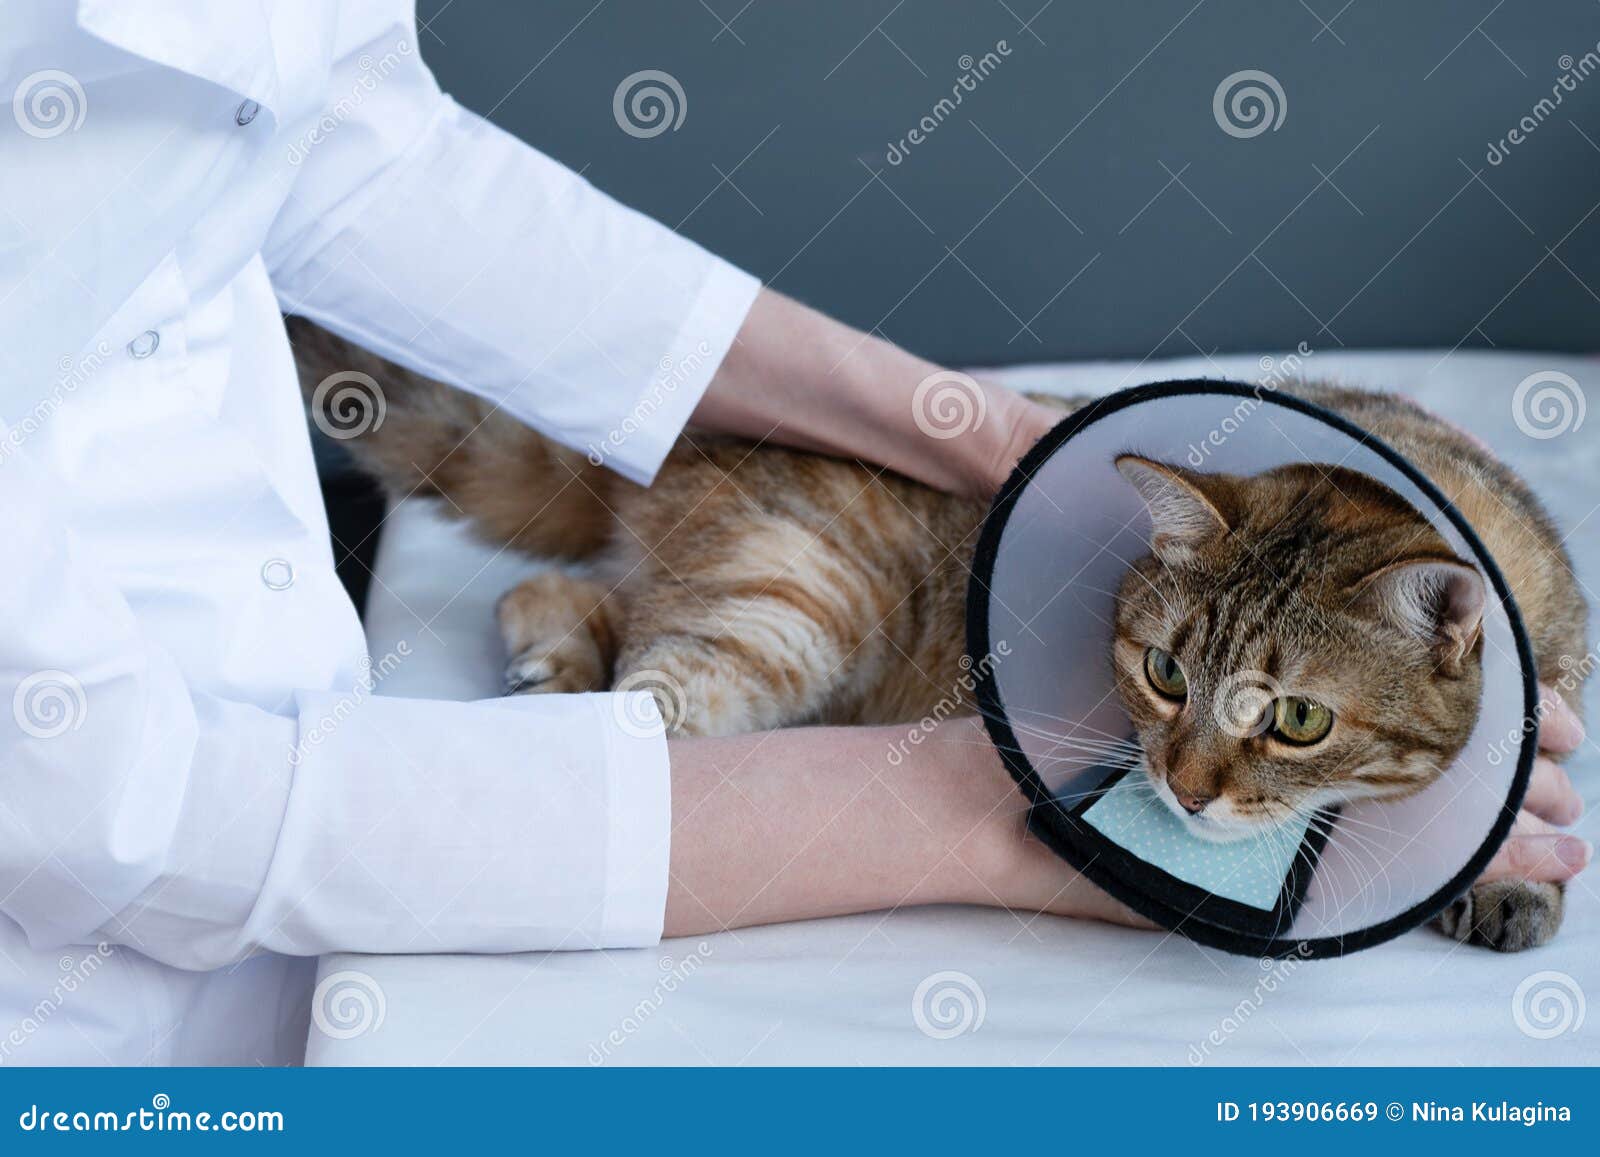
417 436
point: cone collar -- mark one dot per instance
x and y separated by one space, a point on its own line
1051 553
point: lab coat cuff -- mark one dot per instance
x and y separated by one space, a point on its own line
639 841
641 441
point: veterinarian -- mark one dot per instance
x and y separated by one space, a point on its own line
197 796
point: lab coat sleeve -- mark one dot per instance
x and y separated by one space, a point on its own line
196 829
419 230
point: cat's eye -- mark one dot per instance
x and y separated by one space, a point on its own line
1164 673
1297 719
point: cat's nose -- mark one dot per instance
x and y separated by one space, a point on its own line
1193 804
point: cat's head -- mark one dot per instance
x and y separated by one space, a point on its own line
1295 639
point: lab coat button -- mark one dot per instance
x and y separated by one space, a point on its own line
144 345
247 113
278 574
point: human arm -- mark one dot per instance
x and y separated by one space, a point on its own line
793 825
425 234
148 806
798 824
800 378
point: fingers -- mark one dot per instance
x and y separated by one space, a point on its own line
1551 795
1560 730
1537 851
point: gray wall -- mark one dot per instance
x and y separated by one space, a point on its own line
1179 235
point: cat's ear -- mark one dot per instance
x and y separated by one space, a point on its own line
1438 601
1184 517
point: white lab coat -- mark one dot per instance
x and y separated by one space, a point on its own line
193 772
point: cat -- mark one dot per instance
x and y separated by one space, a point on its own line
754 587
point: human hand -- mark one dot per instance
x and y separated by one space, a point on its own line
1019 423
1537 849
1000 863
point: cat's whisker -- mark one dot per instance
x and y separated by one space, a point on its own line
1075 724
1043 732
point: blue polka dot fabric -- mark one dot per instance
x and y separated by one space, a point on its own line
1249 871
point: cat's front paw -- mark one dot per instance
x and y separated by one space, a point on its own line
568 667
1506 915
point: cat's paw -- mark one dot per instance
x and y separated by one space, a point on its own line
566 667
1506 915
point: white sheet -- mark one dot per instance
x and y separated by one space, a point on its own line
1053 991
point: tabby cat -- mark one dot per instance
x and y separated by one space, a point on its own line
754 587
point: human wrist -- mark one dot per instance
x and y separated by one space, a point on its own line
979 817
1001 864
1018 423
